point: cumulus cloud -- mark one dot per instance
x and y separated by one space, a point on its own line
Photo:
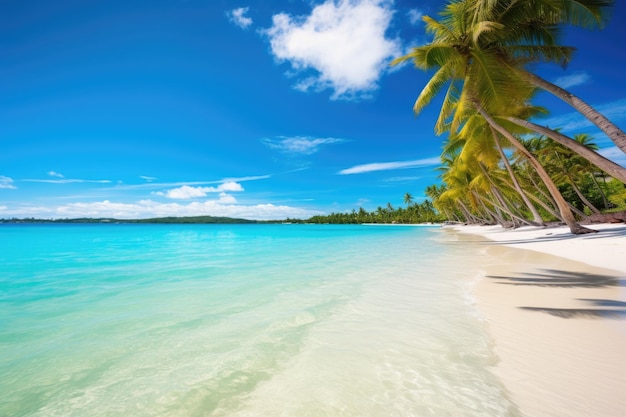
572 80
341 45
301 145
149 209
415 16
238 17
186 192
227 199
55 174
386 166
6 182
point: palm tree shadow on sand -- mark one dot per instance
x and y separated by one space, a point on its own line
613 309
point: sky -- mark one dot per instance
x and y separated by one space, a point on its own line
260 109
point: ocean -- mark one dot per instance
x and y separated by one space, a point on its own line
242 320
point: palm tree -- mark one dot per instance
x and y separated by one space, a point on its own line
587 141
408 199
476 83
528 31
606 165
566 168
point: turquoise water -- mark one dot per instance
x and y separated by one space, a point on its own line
241 320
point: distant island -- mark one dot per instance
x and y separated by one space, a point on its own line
413 213
164 220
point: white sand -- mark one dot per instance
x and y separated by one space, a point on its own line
558 322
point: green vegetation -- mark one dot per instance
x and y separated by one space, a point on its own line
423 212
497 165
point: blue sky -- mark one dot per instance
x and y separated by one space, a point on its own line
262 110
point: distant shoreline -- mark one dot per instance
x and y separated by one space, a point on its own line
188 220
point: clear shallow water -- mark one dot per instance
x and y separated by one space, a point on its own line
241 320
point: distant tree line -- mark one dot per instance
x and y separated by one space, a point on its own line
423 212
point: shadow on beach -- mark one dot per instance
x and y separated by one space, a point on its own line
555 278
561 278
587 313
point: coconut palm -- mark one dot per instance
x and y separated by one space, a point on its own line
565 168
528 31
476 85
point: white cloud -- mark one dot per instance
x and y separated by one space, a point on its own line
186 192
227 199
2 208
55 174
342 41
69 181
148 209
615 154
401 179
6 183
386 166
572 80
238 17
299 144
415 16
155 185
146 178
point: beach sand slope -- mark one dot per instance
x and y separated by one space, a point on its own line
556 307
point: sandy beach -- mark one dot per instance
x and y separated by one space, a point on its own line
555 305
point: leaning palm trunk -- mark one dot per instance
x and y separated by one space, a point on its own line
501 203
533 210
613 132
493 215
547 196
510 208
468 215
605 202
504 207
543 204
566 213
582 196
606 165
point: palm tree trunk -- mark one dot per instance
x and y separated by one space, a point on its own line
576 211
503 206
604 200
606 165
533 210
581 196
612 131
495 217
468 215
548 197
564 209
543 204
510 208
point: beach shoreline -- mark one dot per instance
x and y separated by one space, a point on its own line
555 306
